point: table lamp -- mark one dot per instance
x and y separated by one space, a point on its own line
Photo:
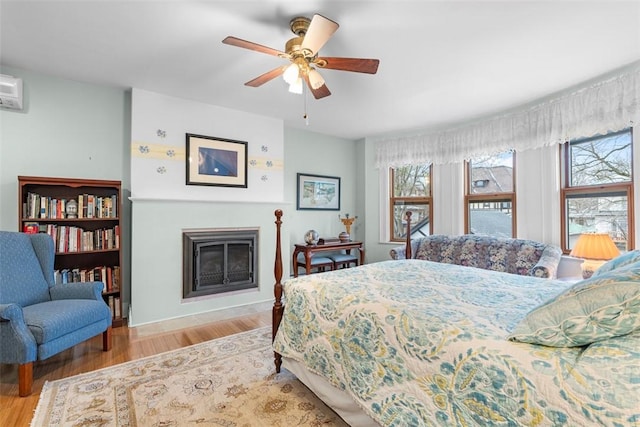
595 249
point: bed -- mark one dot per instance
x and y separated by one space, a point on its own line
419 343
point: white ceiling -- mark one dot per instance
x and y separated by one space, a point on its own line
441 62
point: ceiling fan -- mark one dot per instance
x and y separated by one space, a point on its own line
302 51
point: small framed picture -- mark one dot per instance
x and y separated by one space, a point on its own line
318 192
216 161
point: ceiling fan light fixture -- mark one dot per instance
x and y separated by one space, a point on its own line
315 79
291 74
296 86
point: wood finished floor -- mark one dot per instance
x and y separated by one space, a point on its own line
128 344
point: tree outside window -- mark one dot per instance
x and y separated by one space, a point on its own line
490 195
410 191
597 193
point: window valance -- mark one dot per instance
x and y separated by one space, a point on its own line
610 104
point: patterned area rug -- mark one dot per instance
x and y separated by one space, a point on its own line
227 382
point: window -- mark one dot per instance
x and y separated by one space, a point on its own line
597 193
490 195
410 191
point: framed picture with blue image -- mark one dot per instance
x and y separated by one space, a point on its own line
318 192
216 161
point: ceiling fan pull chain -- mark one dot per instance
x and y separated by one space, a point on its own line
304 95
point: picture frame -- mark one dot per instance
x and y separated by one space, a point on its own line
216 161
318 192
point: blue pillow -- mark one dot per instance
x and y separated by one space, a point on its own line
595 309
619 261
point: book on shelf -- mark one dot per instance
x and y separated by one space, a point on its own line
31 227
90 205
109 279
112 305
43 207
116 313
116 278
82 206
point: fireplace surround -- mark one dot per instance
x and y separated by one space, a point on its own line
219 260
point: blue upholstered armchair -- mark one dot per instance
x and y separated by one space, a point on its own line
38 318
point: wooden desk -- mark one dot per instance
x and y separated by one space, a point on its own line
309 250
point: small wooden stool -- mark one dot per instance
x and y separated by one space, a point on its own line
343 260
318 262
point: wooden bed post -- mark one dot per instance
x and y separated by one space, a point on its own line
408 247
278 308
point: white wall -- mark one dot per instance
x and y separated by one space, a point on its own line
158 154
377 249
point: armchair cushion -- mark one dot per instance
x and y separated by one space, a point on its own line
51 320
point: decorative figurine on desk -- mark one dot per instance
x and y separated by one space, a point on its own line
311 237
348 222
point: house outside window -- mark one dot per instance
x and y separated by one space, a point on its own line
490 195
597 191
410 191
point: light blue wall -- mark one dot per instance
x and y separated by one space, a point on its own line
156 277
317 154
67 129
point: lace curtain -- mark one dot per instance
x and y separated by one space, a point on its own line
608 105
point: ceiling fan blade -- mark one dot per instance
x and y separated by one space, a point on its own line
358 65
320 31
319 93
268 76
234 41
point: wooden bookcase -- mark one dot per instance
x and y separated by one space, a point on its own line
88 245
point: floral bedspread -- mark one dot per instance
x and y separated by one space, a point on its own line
417 343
